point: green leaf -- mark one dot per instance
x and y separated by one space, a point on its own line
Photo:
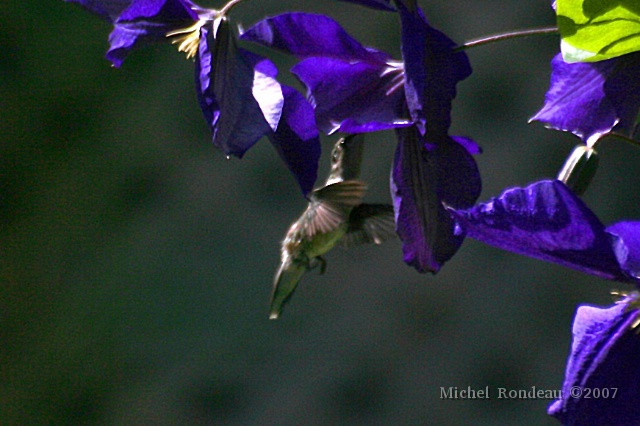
595 30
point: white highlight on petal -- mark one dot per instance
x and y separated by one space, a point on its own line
268 93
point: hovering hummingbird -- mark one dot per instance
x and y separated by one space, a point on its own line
335 214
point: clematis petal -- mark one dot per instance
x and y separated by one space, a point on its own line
602 378
147 22
424 176
140 22
224 84
108 9
159 10
627 246
352 97
469 144
458 178
296 139
591 99
432 70
374 4
354 89
266 89
547 221
306 35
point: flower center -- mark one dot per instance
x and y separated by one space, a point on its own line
632 300
395 69
189 38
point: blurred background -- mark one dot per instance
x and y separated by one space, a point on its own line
136 262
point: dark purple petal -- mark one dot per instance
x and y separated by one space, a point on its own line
306 35
547 221
374 4
147 21
352 97
421 180
353 89
469 144
432 70
458 178
164 11
297 140
410 5
627 246
224 84
603 360
108 9
591 99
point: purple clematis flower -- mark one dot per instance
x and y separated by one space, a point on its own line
237 90
430 168
353 89
547 221
602 378
432 71
593 99
140 22
242 101
424 176
357 89
224 81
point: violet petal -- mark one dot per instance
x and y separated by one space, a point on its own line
546 221
627 246
306 34
352 96
602 378
297 140
457 175
469 144
224 83
419 185
591 99
432 70
145 22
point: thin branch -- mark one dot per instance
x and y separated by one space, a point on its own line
507 36
618 136
227 7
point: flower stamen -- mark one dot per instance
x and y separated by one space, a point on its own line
396 83
396 69
632 300
189 38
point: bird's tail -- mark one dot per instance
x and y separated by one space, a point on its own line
285 282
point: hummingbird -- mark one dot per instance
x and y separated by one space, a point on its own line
335 214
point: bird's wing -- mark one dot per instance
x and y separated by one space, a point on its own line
332 205
370 223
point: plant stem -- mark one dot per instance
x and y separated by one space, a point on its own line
618 136
506 36
227 7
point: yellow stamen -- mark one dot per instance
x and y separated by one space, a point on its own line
189 38
632 304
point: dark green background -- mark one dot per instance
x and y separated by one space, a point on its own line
136 261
